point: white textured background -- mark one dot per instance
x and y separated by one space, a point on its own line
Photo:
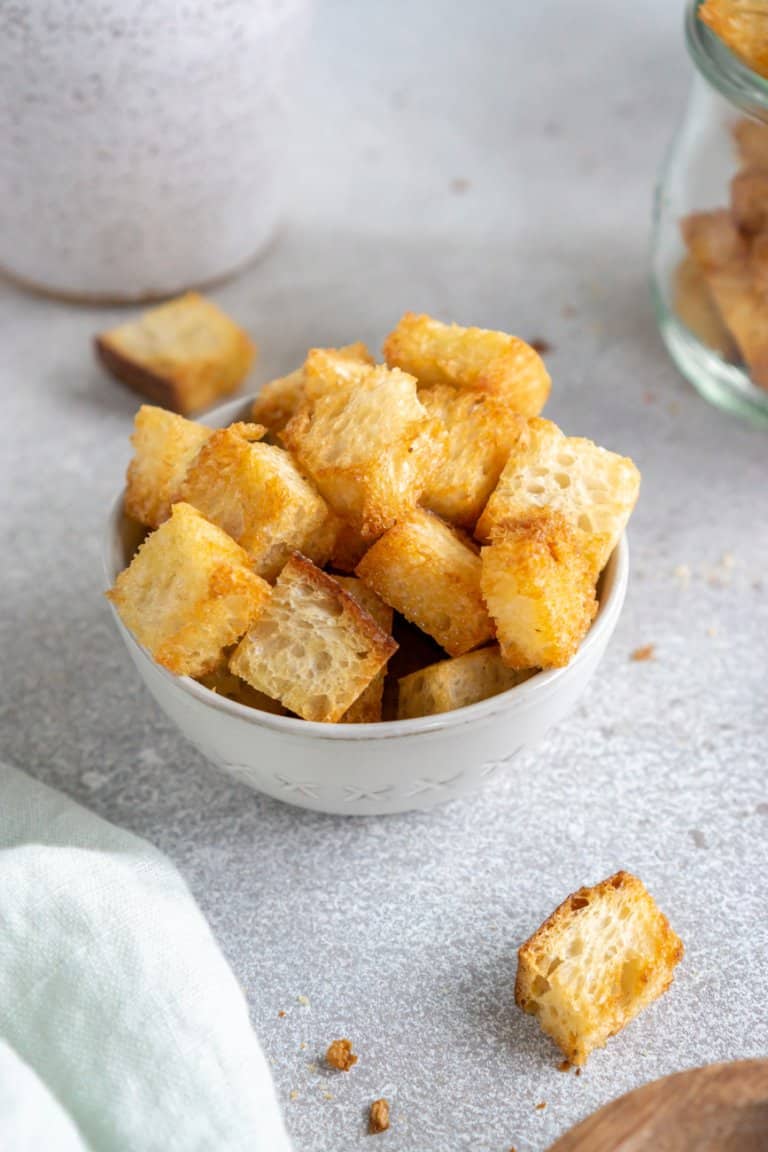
492 163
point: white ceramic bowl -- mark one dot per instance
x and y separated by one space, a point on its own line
367 769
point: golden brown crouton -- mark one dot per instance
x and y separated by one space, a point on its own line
723 257
694 307
256 494
313 647
183 355
603 956
482 430
594 489
367 708
188 593
431 574
279 400
340 1055
743 26
456 683
164 445
369 446
378 1116
539 586
751 138
474 358
225 683
348 549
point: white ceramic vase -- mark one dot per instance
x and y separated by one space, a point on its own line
141 141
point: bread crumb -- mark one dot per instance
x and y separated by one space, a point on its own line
682 574
327 1095
460 185
312 1067
578 1071
281 1013
728 560
649 397
378 1117
712 630
340 1055
302 1046
540 345
303 1000
294 1094
541 1106
644 653
564 1066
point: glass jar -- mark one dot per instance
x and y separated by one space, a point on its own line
710 243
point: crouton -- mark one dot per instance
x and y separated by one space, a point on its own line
743 26
539 585
164 445
695 308
367 708
313 647
456 683
369 446
256 494
594 489
749 200
431 574
183 355
279 400
326 368
225 683
723 257
751 137
603 956
188 593
473 358
482 430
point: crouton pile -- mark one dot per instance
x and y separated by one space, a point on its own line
425 495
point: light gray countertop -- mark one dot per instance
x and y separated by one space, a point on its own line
491 163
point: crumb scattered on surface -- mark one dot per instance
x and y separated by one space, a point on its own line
540 345
281 1013
303 1000
644 653
294 1094
564 1066
649 397
340 1055
312 1067
712 630
302 1046
683 575
728 560
378 1117
541 1106
460 185
327 1095
578 1071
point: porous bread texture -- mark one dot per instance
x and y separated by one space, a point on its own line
164 445
184 355
481 432
369 446
475 358
188 593
255 492
603 956
279 400
594 489
367 708
313 647
427 571
539 586
456 683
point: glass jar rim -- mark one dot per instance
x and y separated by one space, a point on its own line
722 68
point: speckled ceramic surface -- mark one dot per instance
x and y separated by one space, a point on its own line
449 166
142 144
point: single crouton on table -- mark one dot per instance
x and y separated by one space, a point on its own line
603 956
184 355
427 571
474 358
313 647
164 445
188 593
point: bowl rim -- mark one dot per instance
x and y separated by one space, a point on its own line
530 691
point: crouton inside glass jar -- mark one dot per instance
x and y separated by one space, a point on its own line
710 252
